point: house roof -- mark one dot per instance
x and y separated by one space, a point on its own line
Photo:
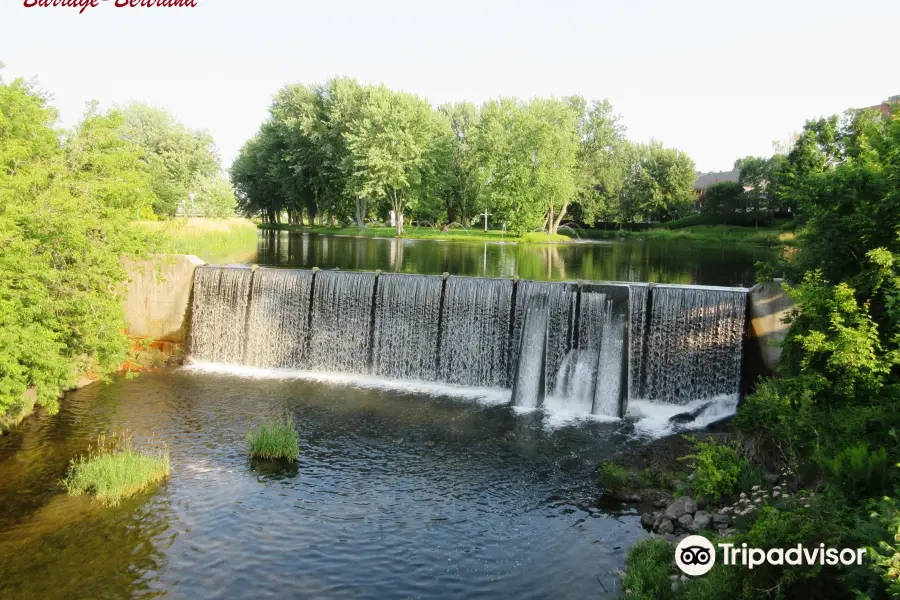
707 179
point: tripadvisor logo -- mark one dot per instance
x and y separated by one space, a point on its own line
695 555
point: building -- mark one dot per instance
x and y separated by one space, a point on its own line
704 180
887 107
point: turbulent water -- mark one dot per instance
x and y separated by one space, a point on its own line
591 346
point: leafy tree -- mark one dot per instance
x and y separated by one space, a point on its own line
462 183
66 198
724 198
214 197
178 158
389 146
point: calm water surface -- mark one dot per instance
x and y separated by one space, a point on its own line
396 495
622 260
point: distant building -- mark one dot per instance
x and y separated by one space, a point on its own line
887 107
704 180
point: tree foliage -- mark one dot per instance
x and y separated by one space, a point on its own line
351 151
65 201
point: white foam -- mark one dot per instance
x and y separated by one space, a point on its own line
486 396
653 418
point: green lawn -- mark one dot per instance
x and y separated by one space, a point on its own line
765 236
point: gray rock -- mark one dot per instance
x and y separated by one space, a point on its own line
675 586
665 527
702 520
660 503
721 526
648 519
719 518
729 532
685 521
773 478
677 509
690 506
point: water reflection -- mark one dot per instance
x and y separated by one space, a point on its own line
624 260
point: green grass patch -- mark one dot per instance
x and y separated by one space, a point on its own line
761 236
212 240
647 573
474 234
115 469
275 440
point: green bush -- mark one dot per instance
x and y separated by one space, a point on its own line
275 440
718 470
758 219
115 469
886 553
647 573
858 472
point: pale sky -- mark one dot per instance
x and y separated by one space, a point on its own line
716 79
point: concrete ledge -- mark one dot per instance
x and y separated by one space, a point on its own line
158 295
768 307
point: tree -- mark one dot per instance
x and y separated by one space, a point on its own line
462 184
658 182
389 147
66 199
214 197
177 158
600 171
724 198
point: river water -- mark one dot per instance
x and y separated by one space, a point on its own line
398 493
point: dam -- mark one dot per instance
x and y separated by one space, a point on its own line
592 346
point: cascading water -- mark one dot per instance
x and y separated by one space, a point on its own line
341 321
219 314
407 321
475 332
278 319
529 383
591 347
694 348
560 301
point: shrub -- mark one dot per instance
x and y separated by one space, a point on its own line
647 573
886 553
275 440
718 471
115 469
857 472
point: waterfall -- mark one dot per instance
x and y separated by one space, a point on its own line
695 348
591 347
407 318
278 321
475 332
529 383
560 300
341 321
219 314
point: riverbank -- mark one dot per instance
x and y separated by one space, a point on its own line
212 240
762 236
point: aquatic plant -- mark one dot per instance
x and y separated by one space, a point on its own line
114 469
275 440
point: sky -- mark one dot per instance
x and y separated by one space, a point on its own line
718 80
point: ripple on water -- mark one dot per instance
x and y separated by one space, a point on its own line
396 494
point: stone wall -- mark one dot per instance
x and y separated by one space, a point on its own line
157 301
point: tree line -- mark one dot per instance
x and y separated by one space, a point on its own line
347 152
68 199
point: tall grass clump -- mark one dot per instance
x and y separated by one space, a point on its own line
275 440
114 469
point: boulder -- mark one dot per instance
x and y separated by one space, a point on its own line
686 521
721 518
677 509
690 506
665 527
649 519
702 520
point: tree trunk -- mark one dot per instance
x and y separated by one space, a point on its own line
360 212
397 205
330 219
555 224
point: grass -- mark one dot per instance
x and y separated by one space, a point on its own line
647 575
474 234
761 236
114 469
275 440
212 240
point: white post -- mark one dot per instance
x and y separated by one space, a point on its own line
191 195
484 217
